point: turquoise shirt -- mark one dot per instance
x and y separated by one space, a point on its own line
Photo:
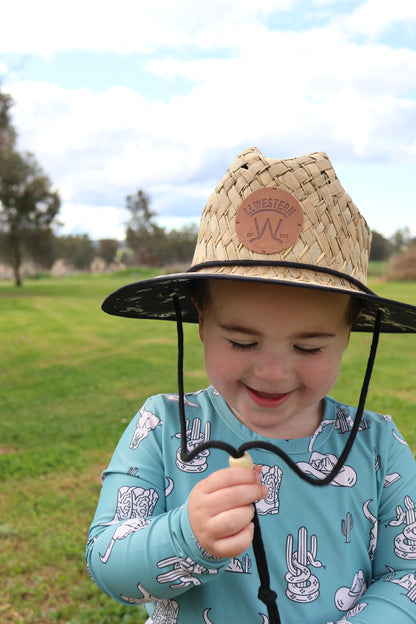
345 552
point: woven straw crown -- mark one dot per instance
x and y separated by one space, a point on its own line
334 235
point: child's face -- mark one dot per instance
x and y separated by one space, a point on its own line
273 352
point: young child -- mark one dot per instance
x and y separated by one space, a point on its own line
277 283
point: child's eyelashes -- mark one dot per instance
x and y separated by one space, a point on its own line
247 346
308 350
242 346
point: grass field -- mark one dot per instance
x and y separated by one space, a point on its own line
71 377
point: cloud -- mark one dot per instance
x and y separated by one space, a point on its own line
131 26
126 27
375 17
287 90
103 221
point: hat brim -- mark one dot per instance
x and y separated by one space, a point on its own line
153 299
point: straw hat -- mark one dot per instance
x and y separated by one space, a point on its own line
283 221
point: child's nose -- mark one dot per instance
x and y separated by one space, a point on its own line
272 368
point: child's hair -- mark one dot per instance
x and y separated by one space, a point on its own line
200 296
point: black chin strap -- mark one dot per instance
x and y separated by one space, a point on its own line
266 594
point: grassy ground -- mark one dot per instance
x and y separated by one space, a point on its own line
71 377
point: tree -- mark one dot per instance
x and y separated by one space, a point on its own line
41 246
141 230
27 203
381 247
151 244
178 246
7 132
107 249
77 251
402 239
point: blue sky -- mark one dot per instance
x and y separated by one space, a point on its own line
113 97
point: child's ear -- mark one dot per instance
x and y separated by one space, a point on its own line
201 325
200 319
347 342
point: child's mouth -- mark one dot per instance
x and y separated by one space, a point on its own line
266 399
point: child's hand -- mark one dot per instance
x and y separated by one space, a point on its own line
221 510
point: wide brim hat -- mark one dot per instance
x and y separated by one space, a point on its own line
285 222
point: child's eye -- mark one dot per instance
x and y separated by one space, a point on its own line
308 350
242 346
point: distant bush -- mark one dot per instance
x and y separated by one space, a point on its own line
381 248
377 268
403 266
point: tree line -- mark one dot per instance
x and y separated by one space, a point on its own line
29 209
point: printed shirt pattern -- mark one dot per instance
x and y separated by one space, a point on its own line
342 553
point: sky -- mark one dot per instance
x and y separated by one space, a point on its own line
113 97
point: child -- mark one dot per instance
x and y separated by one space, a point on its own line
277 284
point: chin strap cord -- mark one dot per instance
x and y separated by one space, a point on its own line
265 593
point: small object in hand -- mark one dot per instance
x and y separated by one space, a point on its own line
244 461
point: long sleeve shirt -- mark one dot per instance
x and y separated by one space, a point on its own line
341 553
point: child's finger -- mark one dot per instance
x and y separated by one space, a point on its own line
221 508
233 545
231 521
230 497
229 477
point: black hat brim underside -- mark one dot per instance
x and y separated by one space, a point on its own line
154 299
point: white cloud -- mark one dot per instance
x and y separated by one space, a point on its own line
105 142
94 25
4 69
123 27
375 17
100 221
130 26
287 92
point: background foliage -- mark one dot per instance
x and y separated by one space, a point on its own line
29 226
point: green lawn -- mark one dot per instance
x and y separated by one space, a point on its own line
71 377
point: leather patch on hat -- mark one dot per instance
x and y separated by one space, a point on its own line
269 220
